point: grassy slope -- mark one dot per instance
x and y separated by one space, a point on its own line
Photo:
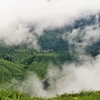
9 70
14 64
16 61
15 95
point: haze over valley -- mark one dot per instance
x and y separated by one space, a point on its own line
49 47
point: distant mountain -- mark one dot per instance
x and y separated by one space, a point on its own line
15 61
52 40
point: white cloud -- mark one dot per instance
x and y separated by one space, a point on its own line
72 78
43 13
82 38
17 15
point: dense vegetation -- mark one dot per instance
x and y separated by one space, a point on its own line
16 61
15 95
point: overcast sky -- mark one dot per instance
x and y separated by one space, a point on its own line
15 15
45 10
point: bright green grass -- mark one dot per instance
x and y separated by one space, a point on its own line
15 95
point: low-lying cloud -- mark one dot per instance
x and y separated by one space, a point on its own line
16 15
83 37
72 78
22 21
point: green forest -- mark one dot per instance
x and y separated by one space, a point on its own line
16 61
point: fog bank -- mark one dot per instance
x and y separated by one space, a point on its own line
18 17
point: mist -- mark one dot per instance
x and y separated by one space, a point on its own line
22 21
18 17
83 37
72 78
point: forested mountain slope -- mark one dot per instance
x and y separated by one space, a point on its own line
15 61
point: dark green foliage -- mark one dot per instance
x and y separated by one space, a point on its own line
94 48
15 61
9 70
52 41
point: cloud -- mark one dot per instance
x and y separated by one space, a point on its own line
18 33
72 78
22 21
40 13
83 37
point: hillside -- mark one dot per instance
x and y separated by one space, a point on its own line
9 95
17 61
